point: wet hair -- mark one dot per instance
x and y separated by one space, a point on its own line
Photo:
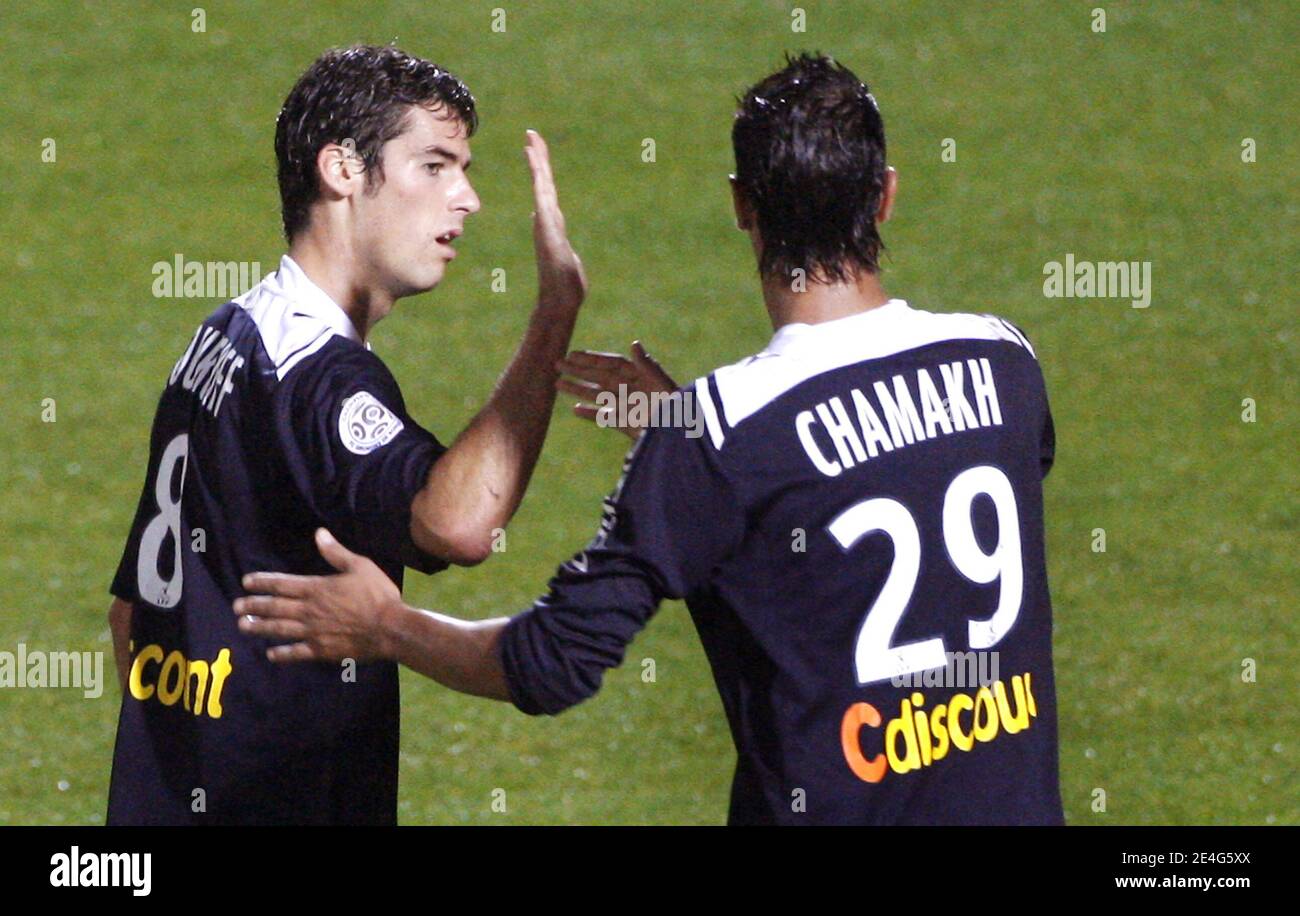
810 160
362 94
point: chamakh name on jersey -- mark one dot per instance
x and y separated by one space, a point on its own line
859 538
275 420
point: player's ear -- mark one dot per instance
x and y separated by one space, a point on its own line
744 212
341 170
887 195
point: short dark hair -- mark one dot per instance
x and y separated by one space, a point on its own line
361 93
810 160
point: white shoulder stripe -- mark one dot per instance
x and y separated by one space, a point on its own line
295 318
288 334
294 359
710 411
1019 337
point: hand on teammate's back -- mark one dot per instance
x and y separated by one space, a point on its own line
593 373
331 617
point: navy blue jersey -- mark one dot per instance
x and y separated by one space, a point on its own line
857 530
275 420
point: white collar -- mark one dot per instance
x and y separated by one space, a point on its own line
790 335
310 299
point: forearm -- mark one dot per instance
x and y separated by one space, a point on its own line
458 654
478 484
119 623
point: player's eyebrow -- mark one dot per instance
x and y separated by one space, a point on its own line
436 150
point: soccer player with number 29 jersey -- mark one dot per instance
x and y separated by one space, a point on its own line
857 529
278 419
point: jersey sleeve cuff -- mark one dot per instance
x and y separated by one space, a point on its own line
507 655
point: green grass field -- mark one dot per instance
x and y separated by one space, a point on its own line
1123 145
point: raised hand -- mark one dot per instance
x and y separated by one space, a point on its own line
561 280
592 373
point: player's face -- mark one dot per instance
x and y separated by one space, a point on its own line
406 225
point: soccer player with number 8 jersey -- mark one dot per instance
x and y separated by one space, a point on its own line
278 418
858 533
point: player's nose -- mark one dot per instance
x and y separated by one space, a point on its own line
466 199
